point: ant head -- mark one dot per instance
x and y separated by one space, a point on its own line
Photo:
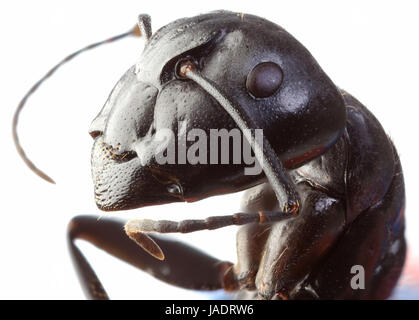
154 138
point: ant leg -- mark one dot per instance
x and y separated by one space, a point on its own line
251 239
184 266
295 246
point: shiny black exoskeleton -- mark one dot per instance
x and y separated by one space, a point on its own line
330 169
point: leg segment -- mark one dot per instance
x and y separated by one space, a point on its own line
278 256
296 246
184 266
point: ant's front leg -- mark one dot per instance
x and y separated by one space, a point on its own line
272 259
184 266
295 247
276 250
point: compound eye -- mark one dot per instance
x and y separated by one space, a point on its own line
264 80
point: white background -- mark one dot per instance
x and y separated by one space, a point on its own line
368 48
